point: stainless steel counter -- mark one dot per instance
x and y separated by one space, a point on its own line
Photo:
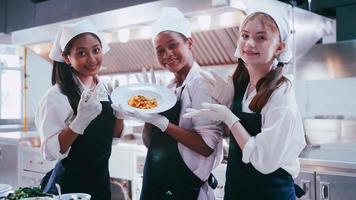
336 158
30 138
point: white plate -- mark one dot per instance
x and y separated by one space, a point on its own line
165 97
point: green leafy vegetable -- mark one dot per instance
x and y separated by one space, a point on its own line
26 192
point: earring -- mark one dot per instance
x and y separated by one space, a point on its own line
275 63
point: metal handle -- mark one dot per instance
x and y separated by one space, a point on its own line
325 190
0 153
306 187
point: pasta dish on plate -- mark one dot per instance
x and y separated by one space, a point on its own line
142 102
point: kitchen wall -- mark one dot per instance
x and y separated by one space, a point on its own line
327 97
39 80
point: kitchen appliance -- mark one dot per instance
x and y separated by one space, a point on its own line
328 61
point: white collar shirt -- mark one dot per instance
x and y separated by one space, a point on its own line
281 139
53 115
192 96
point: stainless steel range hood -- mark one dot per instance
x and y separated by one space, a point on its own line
212 47
328 61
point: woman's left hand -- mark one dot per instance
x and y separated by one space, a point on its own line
155 119
213 112
118 111
222 90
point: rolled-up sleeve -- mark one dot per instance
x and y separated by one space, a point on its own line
51 115
248 149
268 150
211 131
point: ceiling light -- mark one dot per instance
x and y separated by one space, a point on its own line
204 22
124 35
107 37
145 32
226 19
238 4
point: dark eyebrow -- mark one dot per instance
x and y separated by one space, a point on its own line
260 32
83 48
169 41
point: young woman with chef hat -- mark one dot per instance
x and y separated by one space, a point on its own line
75 117
181 152
266 127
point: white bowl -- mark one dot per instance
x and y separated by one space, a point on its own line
75 196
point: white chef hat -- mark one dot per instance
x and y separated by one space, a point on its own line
284 32
67 32
171 19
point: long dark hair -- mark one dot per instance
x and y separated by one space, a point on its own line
267 84
62 74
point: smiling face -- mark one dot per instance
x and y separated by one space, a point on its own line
259 41
173 51
85 55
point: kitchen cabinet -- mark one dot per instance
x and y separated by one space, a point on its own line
335 187
32 166
330 172
327 186
8 163
13 167
306 180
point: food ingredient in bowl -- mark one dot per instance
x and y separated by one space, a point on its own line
26 192
142 102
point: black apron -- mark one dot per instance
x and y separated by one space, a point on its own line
86 169
243 181
166 176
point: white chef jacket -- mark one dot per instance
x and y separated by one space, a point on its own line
53 114
282 135
192 96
